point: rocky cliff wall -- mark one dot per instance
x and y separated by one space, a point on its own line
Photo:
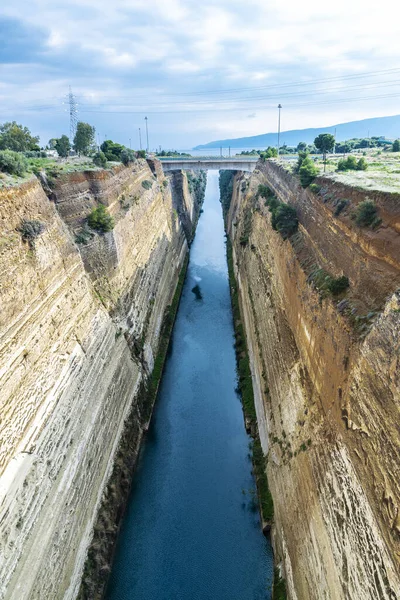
326 380
79 329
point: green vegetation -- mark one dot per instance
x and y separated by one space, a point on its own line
84 138
325 143
366 214
13 163
279 586
30 230
197 185
226 189
284 219
352 164
112 150
173 153
328 285
314 187
17 138
146 184
100 220
269 153
127 156
341 205
245 386
396 146
308 171
100 160
141 153
62 146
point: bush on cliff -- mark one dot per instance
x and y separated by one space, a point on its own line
30 230
146 184
366 214
100 220
100 159
284 219
127 156
308 172
12 162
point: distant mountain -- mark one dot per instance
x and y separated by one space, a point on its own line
388 127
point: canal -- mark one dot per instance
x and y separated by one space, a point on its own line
191 530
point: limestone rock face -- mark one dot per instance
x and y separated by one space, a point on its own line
326 375
79 328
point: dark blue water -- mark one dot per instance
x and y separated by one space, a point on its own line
192 531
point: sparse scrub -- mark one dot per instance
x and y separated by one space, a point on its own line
328 285
146 184
341 205
127 156
352 164
314 187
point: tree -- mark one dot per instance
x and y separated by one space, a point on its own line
112 150
308 172
396 146
52 143
325 142
62 146
84 138
301 146
17 138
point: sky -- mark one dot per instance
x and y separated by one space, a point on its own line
199 71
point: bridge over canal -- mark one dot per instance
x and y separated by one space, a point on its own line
198 164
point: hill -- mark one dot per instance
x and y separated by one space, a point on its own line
378 126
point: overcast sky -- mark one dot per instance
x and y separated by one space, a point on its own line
199 70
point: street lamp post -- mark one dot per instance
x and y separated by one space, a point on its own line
140 139
279 124
147 135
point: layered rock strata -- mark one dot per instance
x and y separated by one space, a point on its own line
80 322
326 375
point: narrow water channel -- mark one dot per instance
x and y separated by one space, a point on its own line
191 530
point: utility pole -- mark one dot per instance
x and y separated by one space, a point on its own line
279 124
229 151
147 135
130 143
140 139
334 145
220 151
73 115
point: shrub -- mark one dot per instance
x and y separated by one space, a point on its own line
127 156
340 206
284 219
100 220
396 146
308 172
351 164
112 157
30 230
146 184
141 153
338 285
366 214
12 162
362 165
314 187
303 154
100 159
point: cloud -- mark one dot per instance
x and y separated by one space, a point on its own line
175 60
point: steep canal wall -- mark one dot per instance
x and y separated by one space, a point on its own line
83 327
325 373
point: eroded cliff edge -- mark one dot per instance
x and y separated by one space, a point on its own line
80 328
326 378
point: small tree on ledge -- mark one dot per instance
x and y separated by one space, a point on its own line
325 142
